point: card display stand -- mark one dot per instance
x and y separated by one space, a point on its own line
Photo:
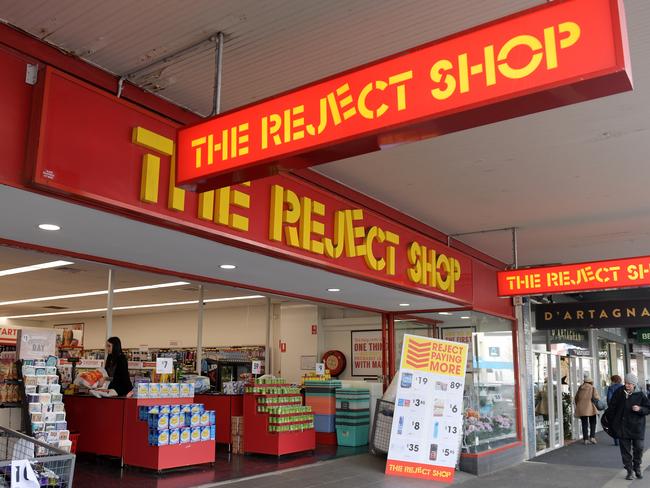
258 437
138 452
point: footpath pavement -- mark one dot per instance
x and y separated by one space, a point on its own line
573 466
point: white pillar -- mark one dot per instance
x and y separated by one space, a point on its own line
199 332
109 303
269 334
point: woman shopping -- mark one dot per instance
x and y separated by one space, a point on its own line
586 410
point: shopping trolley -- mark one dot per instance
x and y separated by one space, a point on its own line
52 466
381 428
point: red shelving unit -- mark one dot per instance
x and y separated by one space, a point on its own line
258 439
138 452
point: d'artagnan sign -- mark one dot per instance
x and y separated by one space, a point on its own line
626 313
552 55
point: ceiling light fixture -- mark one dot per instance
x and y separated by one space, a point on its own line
444 313
34 267
50 227
93 293
130 307
227 266
404 304
333 290
465 317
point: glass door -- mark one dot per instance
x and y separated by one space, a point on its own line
543 402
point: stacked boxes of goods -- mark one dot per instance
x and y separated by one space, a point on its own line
178 424
164 390
352 416
45 404
237 429
320 395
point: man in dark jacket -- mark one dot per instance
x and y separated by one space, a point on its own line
626 416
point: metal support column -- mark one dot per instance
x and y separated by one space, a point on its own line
199 332
269 321
218 69
109 303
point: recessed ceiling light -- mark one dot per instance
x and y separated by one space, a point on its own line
227 266
34 267
464 317
444 313
49 227
333 290
404 304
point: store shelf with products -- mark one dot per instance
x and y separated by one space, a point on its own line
10 389
276 421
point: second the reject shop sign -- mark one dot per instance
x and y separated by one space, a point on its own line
626 313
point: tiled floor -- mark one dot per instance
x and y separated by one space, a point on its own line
99 472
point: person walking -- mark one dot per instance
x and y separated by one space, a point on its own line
626 416
586 410
617 382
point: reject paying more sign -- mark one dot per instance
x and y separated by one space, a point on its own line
552 55
428 421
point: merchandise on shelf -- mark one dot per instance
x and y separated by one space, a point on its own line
45 404
164 390
44 476
312 376
178 424
234 387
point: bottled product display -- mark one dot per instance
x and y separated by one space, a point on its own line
283 404
178 424
312 376
45 403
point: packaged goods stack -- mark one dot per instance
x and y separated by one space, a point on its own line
178 424
352 416
237 428
320 395
44 400
277 422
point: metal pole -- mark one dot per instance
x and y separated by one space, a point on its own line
109 303
199 332
218 65
515 257
267 355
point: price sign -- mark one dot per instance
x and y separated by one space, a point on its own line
164 365
428 422
320 369
257 367
22 475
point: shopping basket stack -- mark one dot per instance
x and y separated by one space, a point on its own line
352 416
321 397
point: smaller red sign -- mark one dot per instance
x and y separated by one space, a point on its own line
283 346
595 275
314 329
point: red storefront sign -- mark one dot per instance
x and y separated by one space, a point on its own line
88 144
595 275
556 54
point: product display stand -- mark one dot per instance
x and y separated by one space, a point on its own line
264 432
138 452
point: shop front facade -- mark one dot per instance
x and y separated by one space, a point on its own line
75 152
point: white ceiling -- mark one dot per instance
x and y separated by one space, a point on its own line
573 180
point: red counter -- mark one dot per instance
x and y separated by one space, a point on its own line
99 422
226 407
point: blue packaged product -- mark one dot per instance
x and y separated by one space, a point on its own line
159 437
153 409
196 434
205 418
186 435
213 432
175 409
197 408
159 421
143 413
165 409
186 408
213 417
182 420
174 436
193 419
174 421
205 433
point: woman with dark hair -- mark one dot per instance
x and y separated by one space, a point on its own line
117 367
617 382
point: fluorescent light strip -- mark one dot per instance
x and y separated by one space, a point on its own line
131 307
34 267
93 293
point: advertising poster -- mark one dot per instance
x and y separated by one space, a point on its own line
366 353
428 419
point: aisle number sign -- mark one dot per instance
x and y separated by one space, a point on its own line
164 365
428 420
552 55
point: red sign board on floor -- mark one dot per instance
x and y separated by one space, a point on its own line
595 275
556 54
